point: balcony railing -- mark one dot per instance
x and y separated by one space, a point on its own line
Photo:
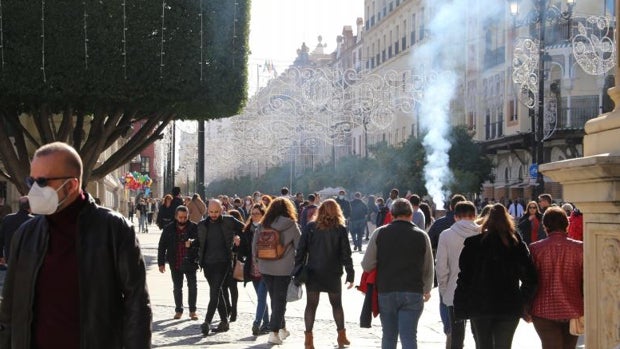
575 120
577 117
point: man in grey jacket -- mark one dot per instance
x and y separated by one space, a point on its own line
402 255
448 251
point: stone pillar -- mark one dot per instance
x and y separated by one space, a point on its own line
593 184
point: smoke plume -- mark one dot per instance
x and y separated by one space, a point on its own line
440 61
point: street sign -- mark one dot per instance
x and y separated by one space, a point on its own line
534 171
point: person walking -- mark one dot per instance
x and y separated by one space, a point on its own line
402 256
324 250
559 262
419 218
530 224
77 278
250 270
197 209
440 225
165 215
496 282
216 235
447 264
142 215
281 215
177 247
308 211
9 226
359 210
372 215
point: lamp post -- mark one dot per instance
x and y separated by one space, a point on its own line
544 11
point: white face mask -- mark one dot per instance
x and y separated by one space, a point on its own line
44 200
247 202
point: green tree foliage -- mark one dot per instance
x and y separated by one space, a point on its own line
87 72
388 167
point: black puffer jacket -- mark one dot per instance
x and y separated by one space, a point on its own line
115 309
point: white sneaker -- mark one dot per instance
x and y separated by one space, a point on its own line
283 333
274 338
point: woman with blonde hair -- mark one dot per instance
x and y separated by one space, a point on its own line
281 216
323 251
497 281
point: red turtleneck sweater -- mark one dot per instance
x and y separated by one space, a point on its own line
57 297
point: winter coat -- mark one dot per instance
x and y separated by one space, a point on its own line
328 252
114 304
289 237
494 279
448 251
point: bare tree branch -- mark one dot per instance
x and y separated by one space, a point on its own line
43 124
14 172
65 126
78 130
148 133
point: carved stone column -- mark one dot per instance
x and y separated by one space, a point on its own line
593 184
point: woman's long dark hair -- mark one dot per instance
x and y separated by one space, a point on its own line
500 223
279 207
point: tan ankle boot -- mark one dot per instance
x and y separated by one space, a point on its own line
342 338
309 342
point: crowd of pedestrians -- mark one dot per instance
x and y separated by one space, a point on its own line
493 263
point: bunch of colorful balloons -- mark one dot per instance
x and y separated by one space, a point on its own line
137 181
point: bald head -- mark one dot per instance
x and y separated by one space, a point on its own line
215 209
71 160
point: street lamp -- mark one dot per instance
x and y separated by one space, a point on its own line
544 11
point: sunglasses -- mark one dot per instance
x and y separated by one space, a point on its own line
42 181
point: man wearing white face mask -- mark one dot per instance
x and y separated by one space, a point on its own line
78 279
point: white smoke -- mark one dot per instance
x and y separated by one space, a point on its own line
441 62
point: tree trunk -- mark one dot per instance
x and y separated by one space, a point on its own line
101 130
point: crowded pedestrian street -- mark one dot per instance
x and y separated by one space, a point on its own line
184 333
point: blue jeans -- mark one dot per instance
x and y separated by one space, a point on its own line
262 309
400 312
444 314
357 232
177 282
142 223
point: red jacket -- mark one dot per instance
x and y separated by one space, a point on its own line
575 226
369 278
559 264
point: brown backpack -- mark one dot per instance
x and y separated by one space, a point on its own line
268 245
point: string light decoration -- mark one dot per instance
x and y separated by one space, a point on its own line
594 46
201 40
234 32
163 40
124 40
43 39
85 37
1 39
